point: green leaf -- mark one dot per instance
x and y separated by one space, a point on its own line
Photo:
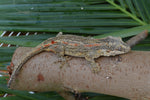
4 59
69 30
126 12
122 3
131 7
143 47
127 32
140 9
24 94
146 9
6 53
3 79
29 41
13 98
75 16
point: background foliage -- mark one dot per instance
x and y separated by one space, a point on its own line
97 18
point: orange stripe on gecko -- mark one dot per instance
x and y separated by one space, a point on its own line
51 50
46 45
37 49
75 44
72 44
64 42
52 42
92 45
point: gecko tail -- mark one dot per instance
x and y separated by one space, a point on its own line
18 66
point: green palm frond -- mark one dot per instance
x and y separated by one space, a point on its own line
27 96
136 10
89 17
29 41
6 54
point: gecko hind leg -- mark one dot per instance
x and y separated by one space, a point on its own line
94 66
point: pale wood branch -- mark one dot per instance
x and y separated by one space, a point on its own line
125 75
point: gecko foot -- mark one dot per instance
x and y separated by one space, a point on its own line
64 60
95 68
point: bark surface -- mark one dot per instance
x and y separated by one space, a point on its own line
124 75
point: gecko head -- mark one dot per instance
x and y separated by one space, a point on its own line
123 47
117 46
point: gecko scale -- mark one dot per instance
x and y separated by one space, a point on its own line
77 46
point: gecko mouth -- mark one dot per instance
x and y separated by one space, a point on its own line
124 49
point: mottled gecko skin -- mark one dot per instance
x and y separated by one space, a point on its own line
77 46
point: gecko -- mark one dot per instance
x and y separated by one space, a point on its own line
78 46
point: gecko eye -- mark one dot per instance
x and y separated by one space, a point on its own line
124 48
119 48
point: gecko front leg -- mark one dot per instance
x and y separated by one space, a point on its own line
94 66
60 52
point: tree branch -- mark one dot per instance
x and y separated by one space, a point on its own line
124 75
